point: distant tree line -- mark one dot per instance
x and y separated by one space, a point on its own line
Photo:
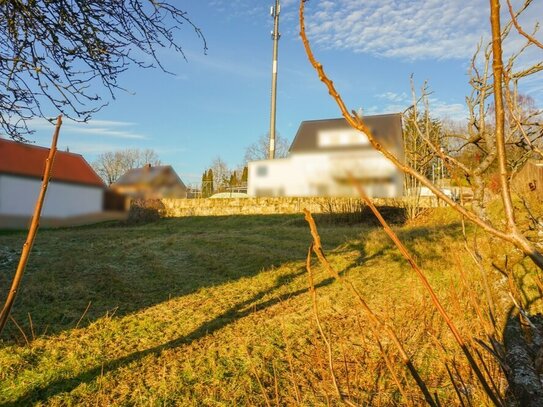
223 179
113 164
219 177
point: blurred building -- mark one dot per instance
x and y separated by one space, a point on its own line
325 154
529 180
151 182
74 189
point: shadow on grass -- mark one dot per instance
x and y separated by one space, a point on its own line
176 257
129 268
231 315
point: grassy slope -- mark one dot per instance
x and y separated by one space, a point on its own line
215 311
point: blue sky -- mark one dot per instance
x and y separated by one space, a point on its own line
217 104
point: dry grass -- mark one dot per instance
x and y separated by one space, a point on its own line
216 311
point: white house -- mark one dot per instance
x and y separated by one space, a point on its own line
326 155
74 189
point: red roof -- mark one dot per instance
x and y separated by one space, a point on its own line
29 160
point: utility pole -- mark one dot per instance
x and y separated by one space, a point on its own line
275 10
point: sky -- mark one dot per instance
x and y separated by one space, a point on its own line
218 102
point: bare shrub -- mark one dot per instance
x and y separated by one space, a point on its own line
497 138
145 210
355 211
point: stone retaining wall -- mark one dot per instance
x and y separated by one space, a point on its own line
266 206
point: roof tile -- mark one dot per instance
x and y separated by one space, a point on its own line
27 160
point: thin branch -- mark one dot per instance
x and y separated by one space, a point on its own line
374 318
27 247
499 115
426 284
514 19
357 123
324 337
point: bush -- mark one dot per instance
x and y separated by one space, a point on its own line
355 211
145 210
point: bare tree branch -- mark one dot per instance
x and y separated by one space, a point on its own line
514 19
35 224
354 121
55 53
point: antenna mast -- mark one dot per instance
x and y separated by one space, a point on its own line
275 10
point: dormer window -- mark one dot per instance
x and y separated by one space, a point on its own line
341 138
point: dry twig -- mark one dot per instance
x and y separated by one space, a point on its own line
514 19
378 324
324 337
27 247
435 300
511 235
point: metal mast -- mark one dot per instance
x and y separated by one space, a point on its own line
275 10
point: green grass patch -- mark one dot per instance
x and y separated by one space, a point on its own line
215 311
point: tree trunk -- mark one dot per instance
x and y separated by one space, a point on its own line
523 345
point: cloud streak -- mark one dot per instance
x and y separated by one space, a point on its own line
413 29
101 128
407 29
398 102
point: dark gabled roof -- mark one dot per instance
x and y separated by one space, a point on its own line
28 160
387 129
149 175
531 167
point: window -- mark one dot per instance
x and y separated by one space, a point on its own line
262 171
340 138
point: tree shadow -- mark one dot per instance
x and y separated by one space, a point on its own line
528 289
240 310
195 253
77 275
410 238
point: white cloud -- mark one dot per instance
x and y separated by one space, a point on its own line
398 102
444 110
226 65
394 97
104 131
103 128
405 29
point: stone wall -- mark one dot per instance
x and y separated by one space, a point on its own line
265 206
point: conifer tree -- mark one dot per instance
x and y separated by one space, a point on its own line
234 182
245 175
204 184
210 182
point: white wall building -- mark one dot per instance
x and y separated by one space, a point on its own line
326 155
74 189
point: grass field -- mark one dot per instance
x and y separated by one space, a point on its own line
216 311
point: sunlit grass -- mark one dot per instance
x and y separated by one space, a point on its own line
215 311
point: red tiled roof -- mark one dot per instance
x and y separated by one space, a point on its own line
29 160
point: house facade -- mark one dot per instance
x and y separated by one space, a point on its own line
150 182
326 155
529 180
74 189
